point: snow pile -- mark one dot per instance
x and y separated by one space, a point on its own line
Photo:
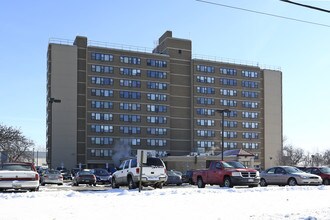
188 202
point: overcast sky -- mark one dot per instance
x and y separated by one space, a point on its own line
299 48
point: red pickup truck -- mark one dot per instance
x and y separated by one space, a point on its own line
223 174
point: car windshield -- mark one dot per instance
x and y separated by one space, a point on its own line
325 169
101 172
292 170
85 173
16 167
226 165
54 172
236 164
153 161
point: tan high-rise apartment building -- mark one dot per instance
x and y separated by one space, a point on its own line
107 101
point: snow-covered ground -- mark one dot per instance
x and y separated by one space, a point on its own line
187 202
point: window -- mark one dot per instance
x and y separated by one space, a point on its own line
228 71
157 85
101 81
249 145
101 105
130 83
156 74
250 114
248 104
156 142
130 118
157 131
230 145
205 133
205 122
250 84
130 72
250 94
205 79
205 101
250 135
130 130
130 95
101 140
101 56
250 74
230 124
253 125
230 134
206 69
228 82
156 108
228 92
156 63
130 106
101 116
130 60
205 90
157 97
102 92
205 111
100 152
102 128
157 119
101 69
205 144
225 102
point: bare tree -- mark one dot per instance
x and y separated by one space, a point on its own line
291 156
14 145
326 158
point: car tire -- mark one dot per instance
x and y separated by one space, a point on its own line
114 184
263 183
292 182
200 182
131 183
326 182
227 182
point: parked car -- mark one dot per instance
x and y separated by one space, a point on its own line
323 172
288 175
128 173
102 176
66 175
174 178
51 177
18 176
223 174
187 177
84 177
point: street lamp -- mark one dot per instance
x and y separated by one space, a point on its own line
222 111
50 125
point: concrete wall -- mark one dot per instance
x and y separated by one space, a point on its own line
273 116
64 76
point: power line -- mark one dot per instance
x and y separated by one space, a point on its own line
264 13
307 6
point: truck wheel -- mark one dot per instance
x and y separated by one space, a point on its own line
227 182
114 184
131 183
200 183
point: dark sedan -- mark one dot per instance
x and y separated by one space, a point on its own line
174 178
187 177
102 176
84 177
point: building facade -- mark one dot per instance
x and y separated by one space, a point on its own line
106 102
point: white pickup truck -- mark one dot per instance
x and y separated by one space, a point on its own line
128 173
